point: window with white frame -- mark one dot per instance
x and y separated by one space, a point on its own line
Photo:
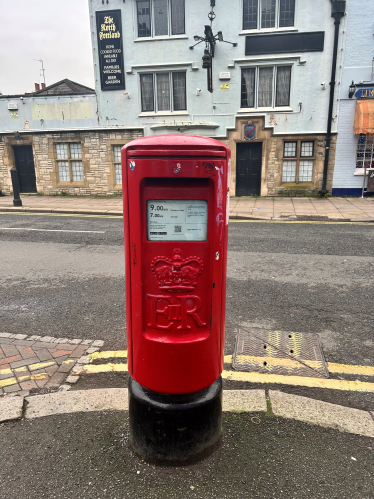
298 161
266 87
69 162
160 17
262 14
163 92
117 164
365 151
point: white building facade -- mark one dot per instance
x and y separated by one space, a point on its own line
355 144
270 95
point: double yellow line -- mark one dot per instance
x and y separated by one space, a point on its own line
254 377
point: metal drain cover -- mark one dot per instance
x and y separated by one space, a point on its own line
279 352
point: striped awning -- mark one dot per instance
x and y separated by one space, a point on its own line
364 117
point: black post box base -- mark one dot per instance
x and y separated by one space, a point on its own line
174 428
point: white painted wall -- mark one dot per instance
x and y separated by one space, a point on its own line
48 113
357 66
116 109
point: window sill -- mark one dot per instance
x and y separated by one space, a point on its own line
268 31
266 110
298 158
299 185
361 171
164 113
160 38
71 183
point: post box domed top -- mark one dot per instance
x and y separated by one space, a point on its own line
176 143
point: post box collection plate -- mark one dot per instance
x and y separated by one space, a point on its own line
177 220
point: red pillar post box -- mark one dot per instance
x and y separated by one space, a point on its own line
176 195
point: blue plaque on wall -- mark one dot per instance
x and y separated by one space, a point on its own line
249 132
109 41
365 93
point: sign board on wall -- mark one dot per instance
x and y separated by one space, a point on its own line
365 93
109 40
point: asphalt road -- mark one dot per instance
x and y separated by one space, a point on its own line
294 277
87 456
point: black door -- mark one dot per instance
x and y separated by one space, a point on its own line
25 168
248 169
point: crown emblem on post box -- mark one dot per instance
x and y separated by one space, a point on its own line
177 274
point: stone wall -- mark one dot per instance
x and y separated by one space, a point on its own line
97 159
272 160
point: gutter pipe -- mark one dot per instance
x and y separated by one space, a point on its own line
337 12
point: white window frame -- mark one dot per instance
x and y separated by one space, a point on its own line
361 171
155 106
117 163
274 87
277 15
152 35
298 158
70 160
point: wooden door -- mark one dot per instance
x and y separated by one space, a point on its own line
248 169
25 168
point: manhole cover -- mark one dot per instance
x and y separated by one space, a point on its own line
279 352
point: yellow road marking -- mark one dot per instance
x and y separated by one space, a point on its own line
348 369
41 365
39 376
82 215
109 354
277 362
333 368
76 215
103 368
69 361
332 384
7 382
5 371
299 222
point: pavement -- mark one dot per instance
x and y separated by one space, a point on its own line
262 208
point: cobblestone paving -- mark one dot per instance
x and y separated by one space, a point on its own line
39 362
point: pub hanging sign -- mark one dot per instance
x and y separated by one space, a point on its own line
365 93
109 40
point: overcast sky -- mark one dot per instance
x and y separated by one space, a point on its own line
56 31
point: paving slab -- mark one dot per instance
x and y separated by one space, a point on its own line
10 408
321 413
115 399
244 401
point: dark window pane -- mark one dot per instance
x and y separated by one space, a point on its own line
144 18
177 17
163 92
283 86
146 86
287 13
290 149
179 91
160 12
250 11
268 13
248 87
265 87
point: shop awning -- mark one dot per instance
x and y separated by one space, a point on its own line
364 117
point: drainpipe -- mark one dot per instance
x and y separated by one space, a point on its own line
337 12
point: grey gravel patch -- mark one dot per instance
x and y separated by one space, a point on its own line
11 408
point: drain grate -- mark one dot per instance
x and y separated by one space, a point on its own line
279 352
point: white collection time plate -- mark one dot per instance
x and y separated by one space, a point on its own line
177 220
